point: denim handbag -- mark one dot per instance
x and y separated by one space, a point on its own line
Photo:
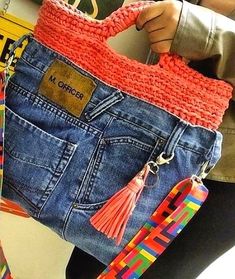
95 141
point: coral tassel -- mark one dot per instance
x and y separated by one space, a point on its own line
112 218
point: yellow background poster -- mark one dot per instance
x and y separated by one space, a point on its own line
11 29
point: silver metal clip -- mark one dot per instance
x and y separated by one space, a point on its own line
161 160
154 168
154 165
196 178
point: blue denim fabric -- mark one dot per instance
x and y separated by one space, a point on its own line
62 168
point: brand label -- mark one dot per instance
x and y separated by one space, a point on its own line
67 87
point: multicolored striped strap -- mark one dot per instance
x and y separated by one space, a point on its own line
160 230
4 268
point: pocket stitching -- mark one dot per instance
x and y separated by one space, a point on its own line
16 190
90 206
33 128
124 140
27 161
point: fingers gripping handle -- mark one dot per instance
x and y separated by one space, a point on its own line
123 18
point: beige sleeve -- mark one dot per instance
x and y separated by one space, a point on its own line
203 34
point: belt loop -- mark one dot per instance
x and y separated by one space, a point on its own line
212 156
103 105
176 134
168 151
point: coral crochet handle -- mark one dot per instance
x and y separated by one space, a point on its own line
122 19
115 23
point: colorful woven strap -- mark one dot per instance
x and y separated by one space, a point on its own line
4 268
160 230
170 84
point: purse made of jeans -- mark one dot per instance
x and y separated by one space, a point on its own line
167 221
143 129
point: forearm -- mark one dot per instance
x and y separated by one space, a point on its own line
221 7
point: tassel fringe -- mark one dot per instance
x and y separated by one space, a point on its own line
112 218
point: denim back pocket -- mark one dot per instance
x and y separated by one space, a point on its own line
34 161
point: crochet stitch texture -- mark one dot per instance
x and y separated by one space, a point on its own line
171 84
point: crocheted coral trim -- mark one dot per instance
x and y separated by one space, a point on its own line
170 84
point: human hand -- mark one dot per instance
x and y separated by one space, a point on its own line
160 20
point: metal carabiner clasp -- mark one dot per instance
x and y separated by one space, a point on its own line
154 168
9 61
196 178
154 165
161 160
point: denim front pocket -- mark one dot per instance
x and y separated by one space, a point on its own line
34 161
122 151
